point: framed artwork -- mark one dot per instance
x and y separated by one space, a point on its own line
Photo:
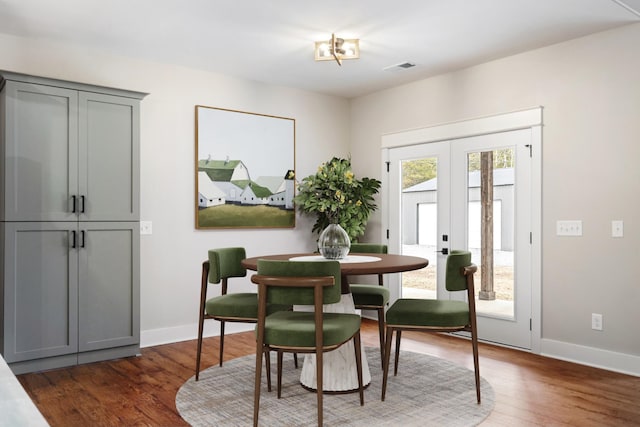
245 166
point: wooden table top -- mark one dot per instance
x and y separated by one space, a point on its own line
387 263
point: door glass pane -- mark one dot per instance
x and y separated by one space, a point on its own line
490 238
420 224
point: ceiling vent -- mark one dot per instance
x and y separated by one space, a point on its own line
400 67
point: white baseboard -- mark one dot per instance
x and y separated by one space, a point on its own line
583 355
151 337
161 336
590 356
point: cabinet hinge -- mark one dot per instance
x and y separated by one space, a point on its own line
530 325
531 238
530 147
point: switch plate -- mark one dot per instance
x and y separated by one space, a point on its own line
596 321
146 227
617 228
569 228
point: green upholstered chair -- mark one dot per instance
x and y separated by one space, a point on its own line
223 264
302 283
371 297
437 315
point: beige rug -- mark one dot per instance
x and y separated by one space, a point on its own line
428 391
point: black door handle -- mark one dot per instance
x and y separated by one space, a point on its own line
444 251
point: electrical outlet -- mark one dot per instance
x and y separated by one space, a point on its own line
569 228
596 321
146 227
617 228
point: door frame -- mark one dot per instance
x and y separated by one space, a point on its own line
530 118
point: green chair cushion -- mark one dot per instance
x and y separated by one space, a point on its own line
297 328
225 263
242 305
428 312
368 248
369 295
301 296
455 280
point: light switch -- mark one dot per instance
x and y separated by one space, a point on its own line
569 228
617 228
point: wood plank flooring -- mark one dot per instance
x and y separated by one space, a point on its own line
530 390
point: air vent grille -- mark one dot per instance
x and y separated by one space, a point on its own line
400 67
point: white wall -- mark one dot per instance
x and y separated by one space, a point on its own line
591 145
171 257
591 97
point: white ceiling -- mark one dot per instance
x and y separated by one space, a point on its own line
272 40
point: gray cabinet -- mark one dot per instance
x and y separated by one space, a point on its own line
69 154
40 290
109 173
109 298
69 222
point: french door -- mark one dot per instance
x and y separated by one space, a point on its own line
472 193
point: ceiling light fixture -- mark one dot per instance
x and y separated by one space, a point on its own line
337 49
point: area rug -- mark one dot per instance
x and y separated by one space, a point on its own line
428 391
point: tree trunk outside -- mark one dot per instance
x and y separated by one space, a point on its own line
486 202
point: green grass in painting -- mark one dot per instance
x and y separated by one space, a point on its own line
245 216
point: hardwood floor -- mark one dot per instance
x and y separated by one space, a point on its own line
530 390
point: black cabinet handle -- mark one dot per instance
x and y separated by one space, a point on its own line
73 239
82 204
73 207
82 239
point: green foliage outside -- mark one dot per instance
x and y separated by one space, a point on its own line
334 195
245 216
501 159
417 171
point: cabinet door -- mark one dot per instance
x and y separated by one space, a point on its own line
41 152
41 290
109 293
109 157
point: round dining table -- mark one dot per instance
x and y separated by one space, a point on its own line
353 265
339 368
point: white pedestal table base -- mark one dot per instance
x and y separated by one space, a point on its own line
339 373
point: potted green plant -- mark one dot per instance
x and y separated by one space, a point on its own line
335 196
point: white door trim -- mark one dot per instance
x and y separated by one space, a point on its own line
529 118
473 127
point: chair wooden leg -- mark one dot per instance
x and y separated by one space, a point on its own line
221 341
476 364
358 351
381 333
385 364
319 380
258 380
279 373
199 350
267 366
397 357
